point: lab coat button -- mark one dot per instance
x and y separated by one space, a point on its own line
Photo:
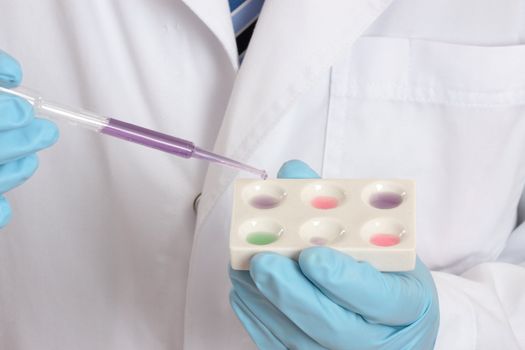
196 203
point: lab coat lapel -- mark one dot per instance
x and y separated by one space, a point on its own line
293 42
216 15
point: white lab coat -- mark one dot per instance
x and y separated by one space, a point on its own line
98 253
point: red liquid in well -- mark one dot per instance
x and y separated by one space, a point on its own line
384 239
325 202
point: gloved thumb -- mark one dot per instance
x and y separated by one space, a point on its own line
395 299
296 169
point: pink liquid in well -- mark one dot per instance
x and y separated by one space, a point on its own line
264 202
325 202
384 239
385 200
318 241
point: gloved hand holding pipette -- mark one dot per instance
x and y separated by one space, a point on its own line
21 135
126 131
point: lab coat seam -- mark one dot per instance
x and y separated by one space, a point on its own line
469 105
410 64
402 92
521 33
414 89
328 113
333 153
421 86
475 327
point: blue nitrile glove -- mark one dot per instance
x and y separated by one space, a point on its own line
21 135
328 300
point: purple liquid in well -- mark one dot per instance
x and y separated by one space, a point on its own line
318 241
385 200
149 138
264 202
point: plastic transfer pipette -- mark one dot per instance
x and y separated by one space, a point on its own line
126 131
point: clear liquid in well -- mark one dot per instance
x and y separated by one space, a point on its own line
318 241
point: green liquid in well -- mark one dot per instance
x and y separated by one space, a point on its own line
261 238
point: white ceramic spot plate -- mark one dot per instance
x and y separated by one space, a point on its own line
350 227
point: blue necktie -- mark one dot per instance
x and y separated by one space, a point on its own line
244 17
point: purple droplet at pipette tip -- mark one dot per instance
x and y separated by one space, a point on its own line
171 144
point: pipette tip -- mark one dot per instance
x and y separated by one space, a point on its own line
216 158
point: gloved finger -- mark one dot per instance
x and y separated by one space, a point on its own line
261 336
21 142
14 112
273 319
296 169
5 212
10 71
387 298
281 281
17 172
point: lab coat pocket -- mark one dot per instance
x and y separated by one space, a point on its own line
432 72
451 117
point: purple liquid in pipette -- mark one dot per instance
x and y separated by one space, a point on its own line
170 144
149 138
